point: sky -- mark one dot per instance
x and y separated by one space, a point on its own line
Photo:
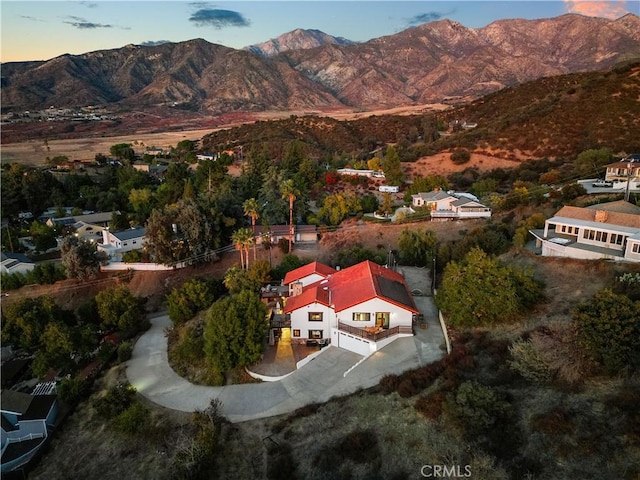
44 29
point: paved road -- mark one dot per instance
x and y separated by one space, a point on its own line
318 381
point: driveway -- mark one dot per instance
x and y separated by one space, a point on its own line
321 379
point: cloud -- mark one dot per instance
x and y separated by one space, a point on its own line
218 18
89 4
427 17
606 9
154 43
33 19
83 24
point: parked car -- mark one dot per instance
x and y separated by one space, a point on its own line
602 183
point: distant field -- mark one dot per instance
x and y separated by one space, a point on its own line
35 152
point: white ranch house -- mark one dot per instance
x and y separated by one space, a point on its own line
114 244
450 205
609 231
361 308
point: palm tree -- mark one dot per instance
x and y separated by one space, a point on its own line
243 238
289 191
250 207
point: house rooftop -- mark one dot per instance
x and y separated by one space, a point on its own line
354 285
15 402
308 269
603 213
130 233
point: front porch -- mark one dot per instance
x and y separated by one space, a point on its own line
375 334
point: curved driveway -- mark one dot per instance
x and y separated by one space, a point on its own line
322 378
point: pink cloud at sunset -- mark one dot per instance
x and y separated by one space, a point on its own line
605 9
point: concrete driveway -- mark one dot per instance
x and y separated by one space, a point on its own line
321 379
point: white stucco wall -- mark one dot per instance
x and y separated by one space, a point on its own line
398 316
300 321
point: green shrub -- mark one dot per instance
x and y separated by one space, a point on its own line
460 157
71 390
117 400
528 362
133 420
474 408
125 349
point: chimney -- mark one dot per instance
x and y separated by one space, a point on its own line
295 289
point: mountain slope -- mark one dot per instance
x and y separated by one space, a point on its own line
298 39
424 64
443 59
196 73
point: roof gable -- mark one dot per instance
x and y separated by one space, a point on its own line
308 269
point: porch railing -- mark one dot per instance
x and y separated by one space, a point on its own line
362 333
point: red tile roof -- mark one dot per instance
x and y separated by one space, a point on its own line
308 269
354 285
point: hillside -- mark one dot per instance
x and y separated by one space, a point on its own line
551 117
298 39
424 64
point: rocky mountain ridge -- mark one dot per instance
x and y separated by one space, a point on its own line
298 39
425 64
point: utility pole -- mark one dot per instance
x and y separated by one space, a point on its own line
629 170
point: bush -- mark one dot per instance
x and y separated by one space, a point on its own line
71 390
125 349
117 400
133 420
529 362
475 408
460 157
608 329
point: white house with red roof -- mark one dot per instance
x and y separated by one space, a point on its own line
361 308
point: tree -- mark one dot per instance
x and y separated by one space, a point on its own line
24 322
461 156
251 210
392 167
44 237
120 310
290 192
416 247
178 232
425 184
480 290
388 205
608 329
123 151
81 260
243 239
589 162
338 206
194 295
235 331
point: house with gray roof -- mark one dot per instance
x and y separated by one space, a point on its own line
26 423
114 244
450 205
15 263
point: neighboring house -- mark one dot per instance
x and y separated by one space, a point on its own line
354 172
115 244
361 308
26 423
450 205
88 232
301 233
608 231
626 169
15 263
101 218
154 170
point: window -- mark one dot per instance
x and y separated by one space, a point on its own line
563 229
315 334
315 316
589 234
296 333
361 317
617 238
636 248
601 236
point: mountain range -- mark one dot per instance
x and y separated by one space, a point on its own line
305 69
